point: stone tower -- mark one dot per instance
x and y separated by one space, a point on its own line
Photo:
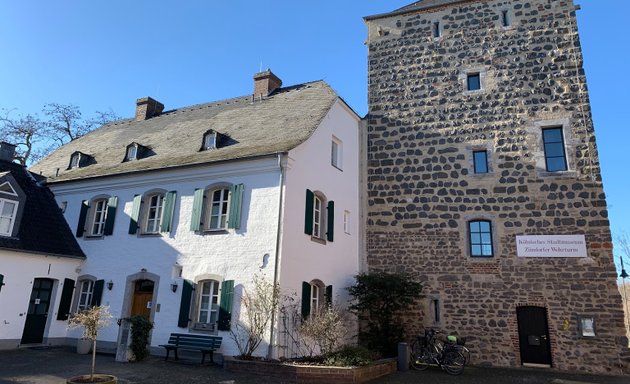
484 183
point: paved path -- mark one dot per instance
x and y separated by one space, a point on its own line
54 365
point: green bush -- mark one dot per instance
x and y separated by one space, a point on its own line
140 331
349 356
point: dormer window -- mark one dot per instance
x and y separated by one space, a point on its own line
8 213
79 159
136 151
132 152
7 188
209 140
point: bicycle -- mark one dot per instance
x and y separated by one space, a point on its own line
428 351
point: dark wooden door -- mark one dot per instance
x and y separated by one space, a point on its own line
533 333
142 296
37 314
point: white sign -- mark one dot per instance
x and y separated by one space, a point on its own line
551 246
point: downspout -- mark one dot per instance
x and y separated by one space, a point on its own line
282 165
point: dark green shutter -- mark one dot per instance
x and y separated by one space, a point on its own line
82 216
331 221
112 204
225 307
328 297
135 214
306 299
184 305
66 299
236 202
308 212
1 281
167 214
195 221
97 294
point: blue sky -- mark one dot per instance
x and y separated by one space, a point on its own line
101 55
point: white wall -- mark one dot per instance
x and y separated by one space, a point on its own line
19 270
302 259
236 255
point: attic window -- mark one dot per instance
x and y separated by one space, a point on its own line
75 159
132 152
210 140
7 188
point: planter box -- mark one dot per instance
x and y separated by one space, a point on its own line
311 374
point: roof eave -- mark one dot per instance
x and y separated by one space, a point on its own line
408 11
42 253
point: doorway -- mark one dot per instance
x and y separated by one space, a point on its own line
142 298
533 334
37 314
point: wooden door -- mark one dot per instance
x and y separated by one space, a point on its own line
533 333
142 298
37 314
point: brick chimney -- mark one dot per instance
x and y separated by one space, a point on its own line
265 83
7 151
147 108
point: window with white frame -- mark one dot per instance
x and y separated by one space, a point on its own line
346 222
218 209
316 297
132 152
210 140
86 291
8 213
317 217
208 308
74 160
336 153
155 208
99 215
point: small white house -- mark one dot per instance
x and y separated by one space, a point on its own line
39 258
179 211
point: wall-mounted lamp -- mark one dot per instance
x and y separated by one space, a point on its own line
110 285
174 286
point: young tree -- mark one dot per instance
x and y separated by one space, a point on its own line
377 298
91 320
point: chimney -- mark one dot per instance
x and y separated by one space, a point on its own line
147 108
265 83
7 151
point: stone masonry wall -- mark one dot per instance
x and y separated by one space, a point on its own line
422 129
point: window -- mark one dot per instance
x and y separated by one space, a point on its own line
336 153
315 296
210 140
346 222
218 209
437 32
480 161
319 218
474 81
85 295
74 160
480 238
99 217
505 18
8 212
132 152
154 212
435 306
208 313
7 188
553 141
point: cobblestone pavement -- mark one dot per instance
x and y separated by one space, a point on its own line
54 365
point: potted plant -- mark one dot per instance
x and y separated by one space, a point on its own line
92 320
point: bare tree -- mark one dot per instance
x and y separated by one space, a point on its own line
66 123
24 132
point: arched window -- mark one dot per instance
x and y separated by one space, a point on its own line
217 207
153 212
319 220
480 237
315 296
97 216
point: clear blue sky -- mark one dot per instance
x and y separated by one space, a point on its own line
105 54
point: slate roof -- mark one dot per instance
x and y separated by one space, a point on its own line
274 124
43 229
416 6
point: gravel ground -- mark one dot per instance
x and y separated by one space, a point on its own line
54 365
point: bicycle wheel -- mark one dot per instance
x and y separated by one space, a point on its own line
453 362
420 357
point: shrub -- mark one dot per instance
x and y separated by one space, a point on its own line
140 330
349 356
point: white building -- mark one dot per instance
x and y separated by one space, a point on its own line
39 258
209 197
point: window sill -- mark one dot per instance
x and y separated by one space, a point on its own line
150 234
481 175
215 232
318 240
474 92
567 174
94 237
338 168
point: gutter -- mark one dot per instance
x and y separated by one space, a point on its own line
282 162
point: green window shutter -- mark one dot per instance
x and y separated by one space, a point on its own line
195 221
135 214
1 281
167 214
225 307
328 297
112 204
82 216
331 221
306 299
308 212
184 305
97 294
66 299
236 202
